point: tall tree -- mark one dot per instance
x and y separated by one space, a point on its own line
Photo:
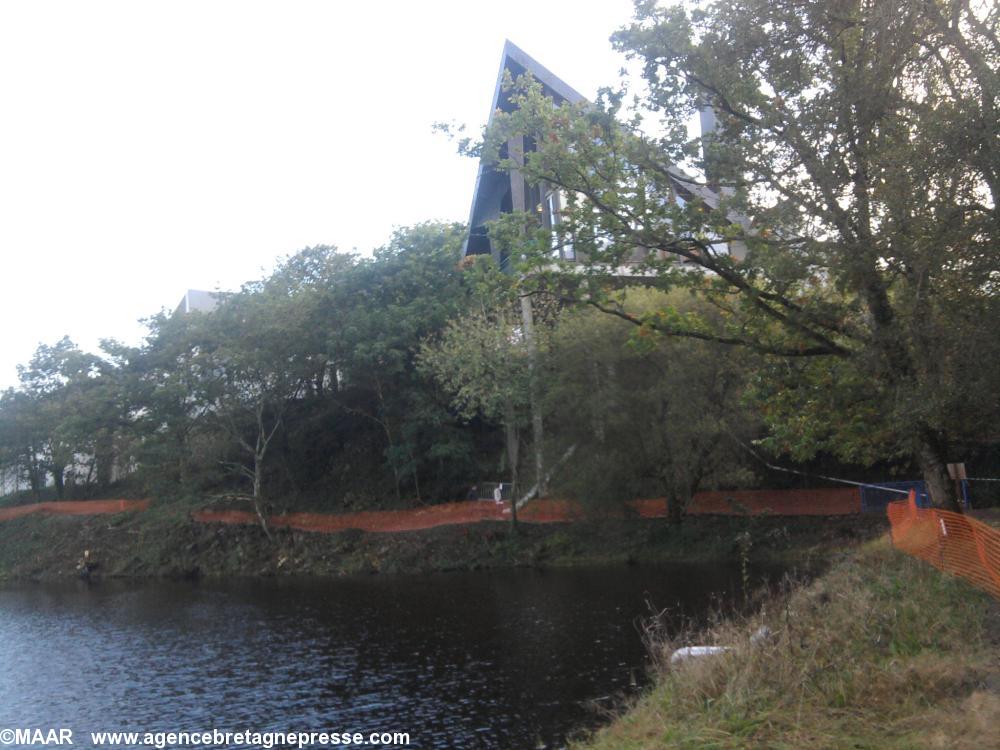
855 165
22 437
69 406
255 360
408 291
162 379
646 414
482 360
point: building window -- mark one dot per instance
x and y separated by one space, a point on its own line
562 243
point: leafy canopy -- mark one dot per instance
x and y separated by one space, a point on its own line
843 210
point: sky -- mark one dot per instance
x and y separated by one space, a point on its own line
147 148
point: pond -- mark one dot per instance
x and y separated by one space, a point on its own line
496 659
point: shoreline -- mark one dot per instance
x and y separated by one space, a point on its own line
166 542
879 651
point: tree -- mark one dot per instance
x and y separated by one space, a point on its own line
647 414
21 440
69 406
330 340
303 386
856 160
162 379
406 293
255 360
482 360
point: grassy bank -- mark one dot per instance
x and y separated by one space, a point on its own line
164 541
882 651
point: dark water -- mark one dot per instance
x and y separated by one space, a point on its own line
508 659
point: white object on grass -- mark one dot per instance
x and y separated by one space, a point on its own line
688 652
760 635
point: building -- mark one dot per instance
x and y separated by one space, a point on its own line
198 300
498 192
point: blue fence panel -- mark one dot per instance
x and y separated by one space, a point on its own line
874 497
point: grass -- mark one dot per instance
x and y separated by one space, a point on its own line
164 541
882 651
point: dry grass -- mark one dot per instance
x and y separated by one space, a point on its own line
882 651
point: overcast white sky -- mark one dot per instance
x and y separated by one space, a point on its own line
151 147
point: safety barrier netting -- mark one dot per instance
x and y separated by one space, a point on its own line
824 502
74 508
412 519
830 501
952 542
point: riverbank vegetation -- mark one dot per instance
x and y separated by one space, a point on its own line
838 209
340 383
882 651
818 292
165 542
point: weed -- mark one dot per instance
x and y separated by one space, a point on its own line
882 651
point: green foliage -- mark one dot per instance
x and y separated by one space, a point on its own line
649 415
61 423
409 291
856 170
483 361
302 386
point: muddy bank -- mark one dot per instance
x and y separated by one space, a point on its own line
166 543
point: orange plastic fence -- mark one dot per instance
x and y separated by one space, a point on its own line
949 541
74 508
443 514
374 520
835 501
780 502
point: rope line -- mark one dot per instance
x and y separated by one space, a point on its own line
819 476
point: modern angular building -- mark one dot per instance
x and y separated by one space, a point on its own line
197 300
498 192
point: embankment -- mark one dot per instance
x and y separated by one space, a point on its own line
167 541
881 651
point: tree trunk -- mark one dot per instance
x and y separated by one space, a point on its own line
933 464
395 476
104 456
413 470
510 431
675 510
258 451
258 500
35 475
537 427
513 498
58 479
384 421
